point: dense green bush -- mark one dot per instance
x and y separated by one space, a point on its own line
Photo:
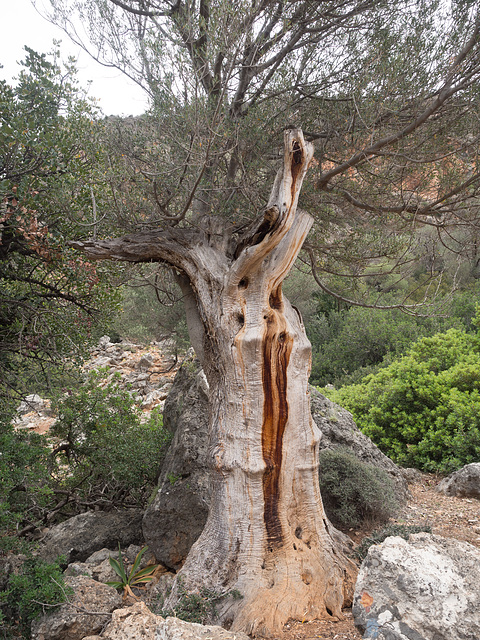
351 343
424 409
354 492
33 590
105 454
23 474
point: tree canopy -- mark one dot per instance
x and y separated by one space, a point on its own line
388 91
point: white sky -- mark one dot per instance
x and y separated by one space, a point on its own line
22 25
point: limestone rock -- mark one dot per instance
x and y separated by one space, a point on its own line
176 516
86 615
426 588
78 537
339 429
131 623
464 483
176 629
33 402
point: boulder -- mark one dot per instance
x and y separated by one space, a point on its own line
138 621
176 629
85 615
78 537
464 483
339 430
177 514
426 588
131 623
178 511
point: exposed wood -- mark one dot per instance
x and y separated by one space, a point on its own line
266 535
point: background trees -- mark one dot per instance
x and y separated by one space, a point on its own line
50 297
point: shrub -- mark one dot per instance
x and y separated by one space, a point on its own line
34 590
106 454
23 475
354 492
424 409
378 536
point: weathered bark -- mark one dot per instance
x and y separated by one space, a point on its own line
266 535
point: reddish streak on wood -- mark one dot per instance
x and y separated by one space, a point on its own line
277 346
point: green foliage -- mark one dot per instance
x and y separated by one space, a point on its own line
354 492
348 344
152 308
136 576
106 453
379 535
34 590
23 475
423 410
200 606
51 299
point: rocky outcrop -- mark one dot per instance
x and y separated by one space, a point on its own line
85 615
78 537
464 483
426 588
339 430
137 621
131 623
178 512
176 629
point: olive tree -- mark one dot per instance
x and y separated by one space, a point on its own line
386 91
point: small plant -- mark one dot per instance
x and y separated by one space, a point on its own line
354 492
172 478
200 606
379 535
135 577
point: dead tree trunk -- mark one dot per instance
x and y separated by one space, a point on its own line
266 535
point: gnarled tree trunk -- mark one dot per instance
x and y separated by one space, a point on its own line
266 535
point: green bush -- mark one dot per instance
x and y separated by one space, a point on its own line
424 409
23 475
378 536
34 590
354 492
106 455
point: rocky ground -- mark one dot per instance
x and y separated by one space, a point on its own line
150 374
447 516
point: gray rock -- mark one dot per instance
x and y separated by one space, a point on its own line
104 342
86 614
79 569
99 556
131 623
178 512
412 475
464 483
33 402
78 537
425 589
339 430
146 361
176 629
137 621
